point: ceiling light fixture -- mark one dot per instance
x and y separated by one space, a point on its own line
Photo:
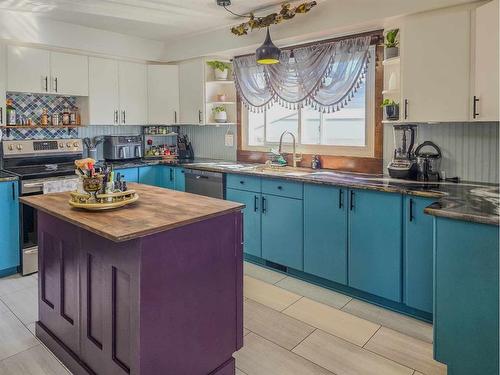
268 53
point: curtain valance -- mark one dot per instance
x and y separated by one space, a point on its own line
323 76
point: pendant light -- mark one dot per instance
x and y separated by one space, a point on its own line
268 53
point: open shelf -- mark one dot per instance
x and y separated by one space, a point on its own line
221 81
391 61
221 102
41 126
391 92
220 123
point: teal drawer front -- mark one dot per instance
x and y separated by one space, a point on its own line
241 182
283 188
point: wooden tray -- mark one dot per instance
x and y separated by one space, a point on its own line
120 199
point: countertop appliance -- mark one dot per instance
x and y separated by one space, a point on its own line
428 162
403 164
210 184
122 147
184 148
40 165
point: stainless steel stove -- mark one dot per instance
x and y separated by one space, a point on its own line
38 164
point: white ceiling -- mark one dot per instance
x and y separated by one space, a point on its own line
152 19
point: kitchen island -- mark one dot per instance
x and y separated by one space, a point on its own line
153 288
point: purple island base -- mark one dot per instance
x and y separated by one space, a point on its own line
169 303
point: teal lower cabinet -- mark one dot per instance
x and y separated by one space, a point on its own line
150 175
417 253
128 174
9 228
282 230
251 219
466 291
180 179
325 232
375 243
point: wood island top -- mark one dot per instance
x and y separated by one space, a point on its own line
157 210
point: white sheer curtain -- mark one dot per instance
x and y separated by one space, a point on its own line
323 76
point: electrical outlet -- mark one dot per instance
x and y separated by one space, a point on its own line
229 140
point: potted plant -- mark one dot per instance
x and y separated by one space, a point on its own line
221 69
391 44
391 109
220 114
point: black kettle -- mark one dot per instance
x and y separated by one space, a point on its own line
428 162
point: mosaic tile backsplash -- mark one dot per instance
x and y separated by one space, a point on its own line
30 105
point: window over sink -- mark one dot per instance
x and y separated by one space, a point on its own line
348 132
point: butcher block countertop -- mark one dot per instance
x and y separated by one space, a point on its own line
157 210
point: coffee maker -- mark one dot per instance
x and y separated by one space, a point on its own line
403 164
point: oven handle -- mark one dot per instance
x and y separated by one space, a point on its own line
35 184
32 251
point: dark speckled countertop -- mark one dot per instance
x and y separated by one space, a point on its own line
4 177
469 201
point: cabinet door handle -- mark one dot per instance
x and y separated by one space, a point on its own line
406 109
475 114
264 206
55 84
1 115
351 203
341 198
46 84
175 117
171 174
410 211
123 117
256 203
13 191
199 116
115 117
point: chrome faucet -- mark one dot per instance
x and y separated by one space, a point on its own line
295 157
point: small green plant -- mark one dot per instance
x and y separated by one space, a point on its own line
388 102
219 109
219 65
390 38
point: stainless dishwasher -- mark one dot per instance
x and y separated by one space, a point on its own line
210 184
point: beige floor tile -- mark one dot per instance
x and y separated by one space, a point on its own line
275 326
15 283
261 273
406 350
261 357
344 358
14 336
267 294
23 303
31 328
334 321
3 307
417 373
398 322
34 361
239 372
245 331
314 292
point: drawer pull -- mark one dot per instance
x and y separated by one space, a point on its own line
280 187
242 182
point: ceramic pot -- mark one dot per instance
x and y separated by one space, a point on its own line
220 117
392 112
391 52
221 75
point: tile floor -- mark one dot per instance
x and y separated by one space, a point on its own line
291 328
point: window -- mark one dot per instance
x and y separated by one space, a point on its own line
348 132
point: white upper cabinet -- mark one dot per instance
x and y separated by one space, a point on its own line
133 87
28 69
485 100
163 94
435 61
104 104
192 88
39 71
69 74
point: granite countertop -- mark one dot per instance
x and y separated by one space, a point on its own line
5 177
469 201
157 210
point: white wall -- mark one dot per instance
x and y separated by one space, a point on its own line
27 28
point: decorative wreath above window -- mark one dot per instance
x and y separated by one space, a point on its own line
323 76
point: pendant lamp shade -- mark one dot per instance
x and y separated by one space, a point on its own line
268 53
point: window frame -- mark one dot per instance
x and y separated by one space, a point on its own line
368 150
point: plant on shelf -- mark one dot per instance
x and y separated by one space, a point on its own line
220 114
391 44
391 109
220 68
